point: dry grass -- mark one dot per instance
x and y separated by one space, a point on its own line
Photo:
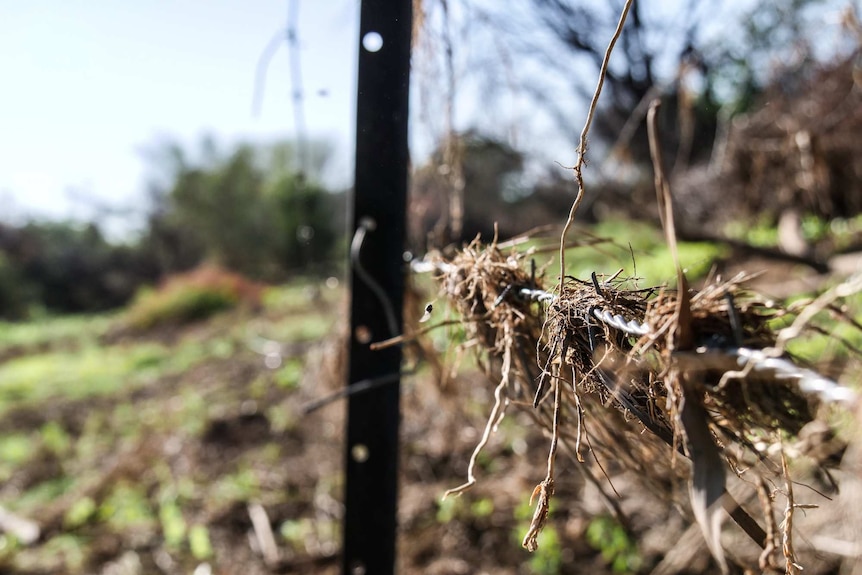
671 415
691 391
650 379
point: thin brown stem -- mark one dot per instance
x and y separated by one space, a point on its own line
582 142
790 565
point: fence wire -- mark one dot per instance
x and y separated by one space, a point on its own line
808 381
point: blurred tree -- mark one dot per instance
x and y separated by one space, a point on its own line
773 41
305 212
16 295
250 210
532 67
680 55
544 55
490 170
66 267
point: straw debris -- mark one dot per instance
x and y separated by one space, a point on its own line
602 350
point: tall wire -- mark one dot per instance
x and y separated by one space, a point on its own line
290 36
297 93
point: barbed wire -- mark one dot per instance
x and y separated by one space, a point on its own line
808 381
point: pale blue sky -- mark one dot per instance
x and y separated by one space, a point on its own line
86 85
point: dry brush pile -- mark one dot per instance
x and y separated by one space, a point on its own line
800 151
692 391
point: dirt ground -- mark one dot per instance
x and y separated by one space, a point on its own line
246 449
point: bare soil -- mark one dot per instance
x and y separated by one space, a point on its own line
251 445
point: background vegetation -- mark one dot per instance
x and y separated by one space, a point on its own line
152 387
248 209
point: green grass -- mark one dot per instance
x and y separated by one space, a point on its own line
79 374
89 371
74 329
616 545
244 485
153 308
199 542
307 327
179 386
68 551
547 559
296 531
191 296
55 438
127 506
80 513
300 295
16 448
41 494
303 311
173 524
761 232
101 370
837 334
637 248
764 233
290 374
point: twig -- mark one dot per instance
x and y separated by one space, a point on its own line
369 225
582 143
355 388
262 67
545 489
497 413
405 337
24 530
662 188
579 410
297 92
453 152
765 560
291 35
791 566
852 286
263 533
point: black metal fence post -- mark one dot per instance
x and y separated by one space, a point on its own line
379 207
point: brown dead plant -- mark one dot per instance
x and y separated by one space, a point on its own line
678 386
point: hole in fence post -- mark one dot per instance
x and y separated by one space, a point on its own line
372 41
359 453
357 568
362 334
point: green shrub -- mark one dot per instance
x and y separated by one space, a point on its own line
15 293
250 207
618 549
67 267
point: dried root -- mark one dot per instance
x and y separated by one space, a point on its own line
612 343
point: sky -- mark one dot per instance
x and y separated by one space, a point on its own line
89 86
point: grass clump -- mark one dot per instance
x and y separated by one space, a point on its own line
637 248
47 332
617 547
191 296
